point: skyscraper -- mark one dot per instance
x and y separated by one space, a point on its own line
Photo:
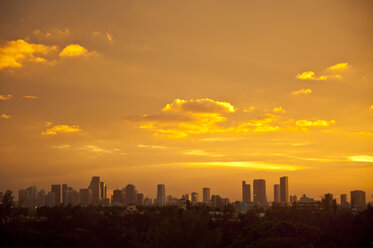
358 199
259 191
56 189
194 197
118 197
85 196
95 187
161 195
140 199
276 191
284 189
130 194
206 195
343 199
103 190
246 192
64 188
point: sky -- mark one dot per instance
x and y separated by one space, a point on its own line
190 94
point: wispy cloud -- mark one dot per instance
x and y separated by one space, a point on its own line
202 153
361 158
61 129
30 97
5 116
199 106
6 97
329 73
152 147
15 53
245 164
339 67
73 50
301 92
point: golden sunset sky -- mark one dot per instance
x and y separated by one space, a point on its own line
187 93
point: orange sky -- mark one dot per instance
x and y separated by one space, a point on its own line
187 93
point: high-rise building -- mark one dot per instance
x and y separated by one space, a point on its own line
64 188
71 197
358 199
50 199
246 192
284 189
95 187
130 194
161 195
259 191
206 195
194 197
147 201
41 198
140 199
276 192
22 197
85 196
56 189
343 199
103 190
118 197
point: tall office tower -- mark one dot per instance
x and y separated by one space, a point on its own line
95 187
206 194
50 199
85 196
259 191
276 191
40 202
187 197
328 201
130 194
161 195
56 189
64 188
343 199
284 189
194 197
140 199
22 197
72 197
358 199
118 197
147 201
103 190
246 192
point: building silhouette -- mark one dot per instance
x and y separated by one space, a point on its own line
284 189
259 191
161 195
85 197
246 192
140 199
118 197
276 193
194 197
103 191
344 199
358 199
56 189
96 190
206 194
130 194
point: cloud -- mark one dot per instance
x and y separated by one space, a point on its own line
52 34
15 53
5 116
249 109
199 106
371 107
279 110
181 119
339 67
202 153
330 73
73 50
30 97
6 97
245 164
301 92
109 37
60 129
152 147
361 158
317 123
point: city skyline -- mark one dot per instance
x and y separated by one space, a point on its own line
208 93
130 194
